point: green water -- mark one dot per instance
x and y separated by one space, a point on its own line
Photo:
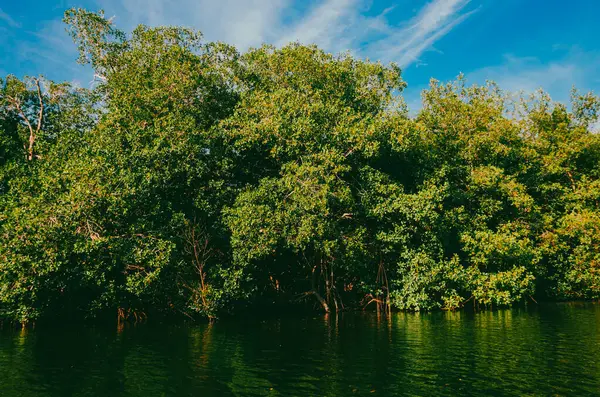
542 350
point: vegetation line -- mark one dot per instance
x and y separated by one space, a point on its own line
197 180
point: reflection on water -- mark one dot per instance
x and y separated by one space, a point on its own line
544 350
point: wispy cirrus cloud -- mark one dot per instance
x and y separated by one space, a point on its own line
8 20
49 50
324 24
335 25
433 22
339 25
524 75
571 68
244 23
394 34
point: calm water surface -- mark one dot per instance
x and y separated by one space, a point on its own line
544 350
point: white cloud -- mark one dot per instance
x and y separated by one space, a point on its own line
528 74
8 20
244 23
335 25
324 25
339 25
433 21
525 75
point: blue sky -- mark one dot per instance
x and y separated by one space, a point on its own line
521 44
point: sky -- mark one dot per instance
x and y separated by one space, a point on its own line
520 44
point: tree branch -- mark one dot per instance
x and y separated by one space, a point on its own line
32 135
17 104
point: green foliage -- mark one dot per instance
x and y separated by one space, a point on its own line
426 283
196 180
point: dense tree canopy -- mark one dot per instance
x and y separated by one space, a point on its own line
196 180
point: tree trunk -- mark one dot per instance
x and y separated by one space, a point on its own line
320 299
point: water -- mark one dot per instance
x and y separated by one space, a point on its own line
544 350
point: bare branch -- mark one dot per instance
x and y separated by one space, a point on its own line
17 104
32 135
